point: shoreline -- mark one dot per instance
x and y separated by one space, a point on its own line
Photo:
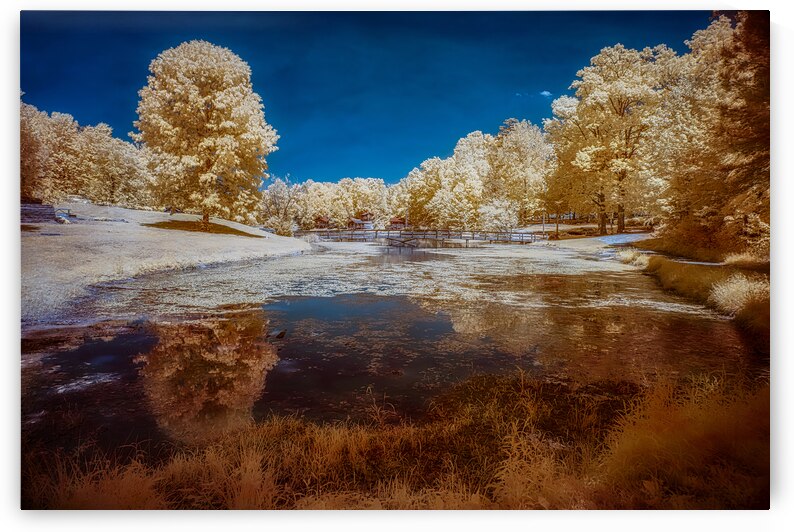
47 290
60 262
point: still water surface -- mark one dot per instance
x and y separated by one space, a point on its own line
185 356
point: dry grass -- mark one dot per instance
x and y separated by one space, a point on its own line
694 281
747 261
746 298
704 446
494 443
633 257
681 248
739 293
69 484
196 226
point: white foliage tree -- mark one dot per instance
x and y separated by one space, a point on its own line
521 159
710 151
498 215
617 97
206 132
312 201
33 151
354 197
114 172
62 170
279 206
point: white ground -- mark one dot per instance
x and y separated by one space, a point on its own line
453 280
60 261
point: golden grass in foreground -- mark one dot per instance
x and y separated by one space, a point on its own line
494 443
698 447
186 225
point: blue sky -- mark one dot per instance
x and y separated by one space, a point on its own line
351 94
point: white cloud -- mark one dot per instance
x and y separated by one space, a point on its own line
545 93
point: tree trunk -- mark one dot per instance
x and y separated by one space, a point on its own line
621 219
557 226
205 222
602 214
621 205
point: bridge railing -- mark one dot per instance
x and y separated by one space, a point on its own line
368 235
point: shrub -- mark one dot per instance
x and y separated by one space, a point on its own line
633 257
738 292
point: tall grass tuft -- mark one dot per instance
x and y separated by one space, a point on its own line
98 485
633 257
738 292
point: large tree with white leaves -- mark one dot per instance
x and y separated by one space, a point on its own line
521 157
113 171
617 94
204 128
33 153
581 178
710 138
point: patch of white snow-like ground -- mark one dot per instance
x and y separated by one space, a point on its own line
449 277
59 262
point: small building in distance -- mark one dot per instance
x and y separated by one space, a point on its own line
322 222
360 224
396 224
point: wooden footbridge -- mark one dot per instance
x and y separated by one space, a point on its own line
412 238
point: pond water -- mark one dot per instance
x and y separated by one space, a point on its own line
352 332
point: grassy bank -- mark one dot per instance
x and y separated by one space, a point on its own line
105 243
676 248
197 227
738 287
498 443
681 249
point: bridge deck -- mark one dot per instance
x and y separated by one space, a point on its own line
405 237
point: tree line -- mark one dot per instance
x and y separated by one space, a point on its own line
680 139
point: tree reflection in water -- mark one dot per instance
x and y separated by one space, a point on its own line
202 378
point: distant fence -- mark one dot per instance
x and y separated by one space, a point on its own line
369 235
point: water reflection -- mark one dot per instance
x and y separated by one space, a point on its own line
342 353
397 255
604 327
202 378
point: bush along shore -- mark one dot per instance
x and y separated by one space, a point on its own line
738 285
